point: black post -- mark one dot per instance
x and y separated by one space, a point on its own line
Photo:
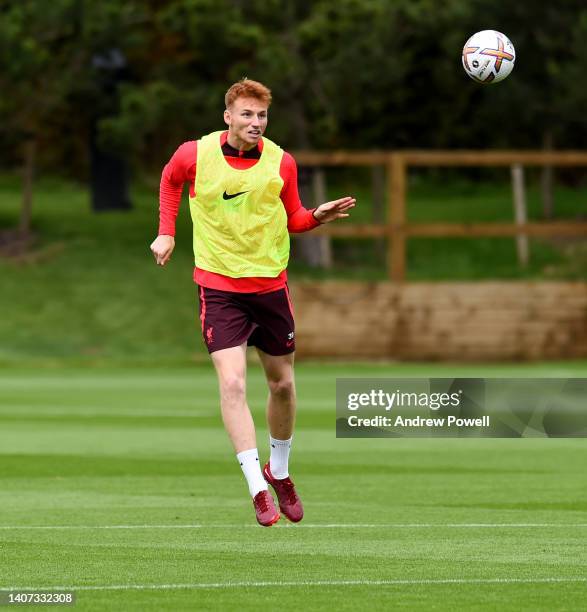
109 170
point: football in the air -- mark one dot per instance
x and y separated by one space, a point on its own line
488 56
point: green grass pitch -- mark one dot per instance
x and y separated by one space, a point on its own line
121 485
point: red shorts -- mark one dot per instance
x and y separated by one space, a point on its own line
264 320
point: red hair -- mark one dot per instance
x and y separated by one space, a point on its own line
247 88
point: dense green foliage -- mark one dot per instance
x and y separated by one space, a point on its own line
345 73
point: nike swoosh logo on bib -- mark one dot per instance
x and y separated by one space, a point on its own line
225 195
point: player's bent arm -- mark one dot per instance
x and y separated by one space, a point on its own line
299 219
180 169
162 248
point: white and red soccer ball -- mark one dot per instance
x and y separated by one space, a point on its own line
488 56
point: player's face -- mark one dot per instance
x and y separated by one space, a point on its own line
246 119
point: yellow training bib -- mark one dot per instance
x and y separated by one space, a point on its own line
240 223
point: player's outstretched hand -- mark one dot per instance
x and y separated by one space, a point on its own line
337 209
162 247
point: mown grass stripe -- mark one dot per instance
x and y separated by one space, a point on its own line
300 583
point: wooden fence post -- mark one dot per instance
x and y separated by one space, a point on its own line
324 243
520 213
396 169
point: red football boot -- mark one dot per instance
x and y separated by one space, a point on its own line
289 502
265 509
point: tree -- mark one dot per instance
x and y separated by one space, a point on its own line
351 73
39 63
46 73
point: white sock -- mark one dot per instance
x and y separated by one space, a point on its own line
249 461
278 462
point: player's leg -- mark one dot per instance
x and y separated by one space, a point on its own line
274 338
231 366
281 405
275 342
281 411
226 327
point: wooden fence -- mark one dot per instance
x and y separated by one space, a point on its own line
397 229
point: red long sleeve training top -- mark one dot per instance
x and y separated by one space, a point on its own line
182 169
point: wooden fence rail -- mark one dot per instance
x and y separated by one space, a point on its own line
398 230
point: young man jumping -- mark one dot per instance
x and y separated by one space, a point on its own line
244 200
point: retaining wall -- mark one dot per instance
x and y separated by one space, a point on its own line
471 321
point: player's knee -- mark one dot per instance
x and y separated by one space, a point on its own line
283 389
233 386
